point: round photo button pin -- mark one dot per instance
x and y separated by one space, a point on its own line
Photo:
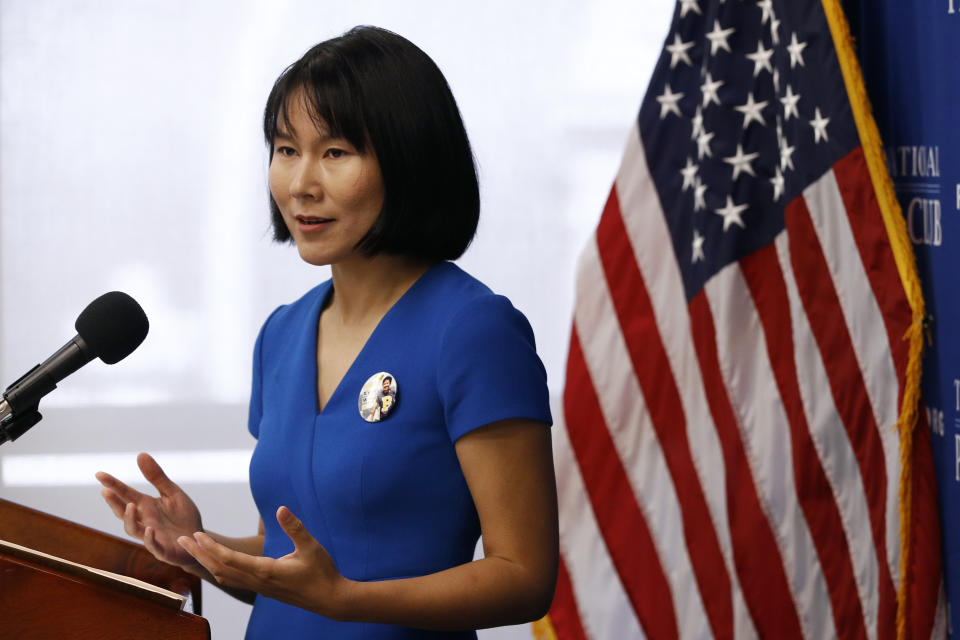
378 397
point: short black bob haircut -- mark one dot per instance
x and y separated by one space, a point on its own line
376 88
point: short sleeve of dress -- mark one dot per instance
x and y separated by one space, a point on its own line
256 384
256 387
488 369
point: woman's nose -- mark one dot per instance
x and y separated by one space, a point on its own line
305 182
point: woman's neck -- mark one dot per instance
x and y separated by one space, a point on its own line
364 288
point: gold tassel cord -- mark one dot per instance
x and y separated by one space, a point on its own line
543 629
906 265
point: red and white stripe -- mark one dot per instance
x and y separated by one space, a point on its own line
729 467
635 444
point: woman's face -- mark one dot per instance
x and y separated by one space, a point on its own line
329 193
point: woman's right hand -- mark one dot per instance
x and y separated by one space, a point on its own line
158 522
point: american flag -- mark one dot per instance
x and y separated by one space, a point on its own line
738 411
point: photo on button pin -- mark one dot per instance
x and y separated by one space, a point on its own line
378 397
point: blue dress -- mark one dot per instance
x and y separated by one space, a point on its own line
386 499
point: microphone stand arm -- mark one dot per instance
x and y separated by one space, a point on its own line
16 425
20 403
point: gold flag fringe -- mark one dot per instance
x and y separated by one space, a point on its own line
543 629
906 265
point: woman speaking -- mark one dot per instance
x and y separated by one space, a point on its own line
400 408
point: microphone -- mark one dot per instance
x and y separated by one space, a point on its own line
110 328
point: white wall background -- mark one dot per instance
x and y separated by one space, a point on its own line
131 159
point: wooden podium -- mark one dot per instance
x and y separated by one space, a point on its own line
39 602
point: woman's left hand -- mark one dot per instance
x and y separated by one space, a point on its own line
306 578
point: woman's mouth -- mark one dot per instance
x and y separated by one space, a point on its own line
312 223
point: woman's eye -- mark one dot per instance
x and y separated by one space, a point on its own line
335 153
285 151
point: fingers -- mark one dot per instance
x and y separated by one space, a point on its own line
113 501
131 524
229 567
150 470
155 475
126 493
293 527
121 500
126 511
199 554
150 542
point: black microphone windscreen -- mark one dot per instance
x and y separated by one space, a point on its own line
112 326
